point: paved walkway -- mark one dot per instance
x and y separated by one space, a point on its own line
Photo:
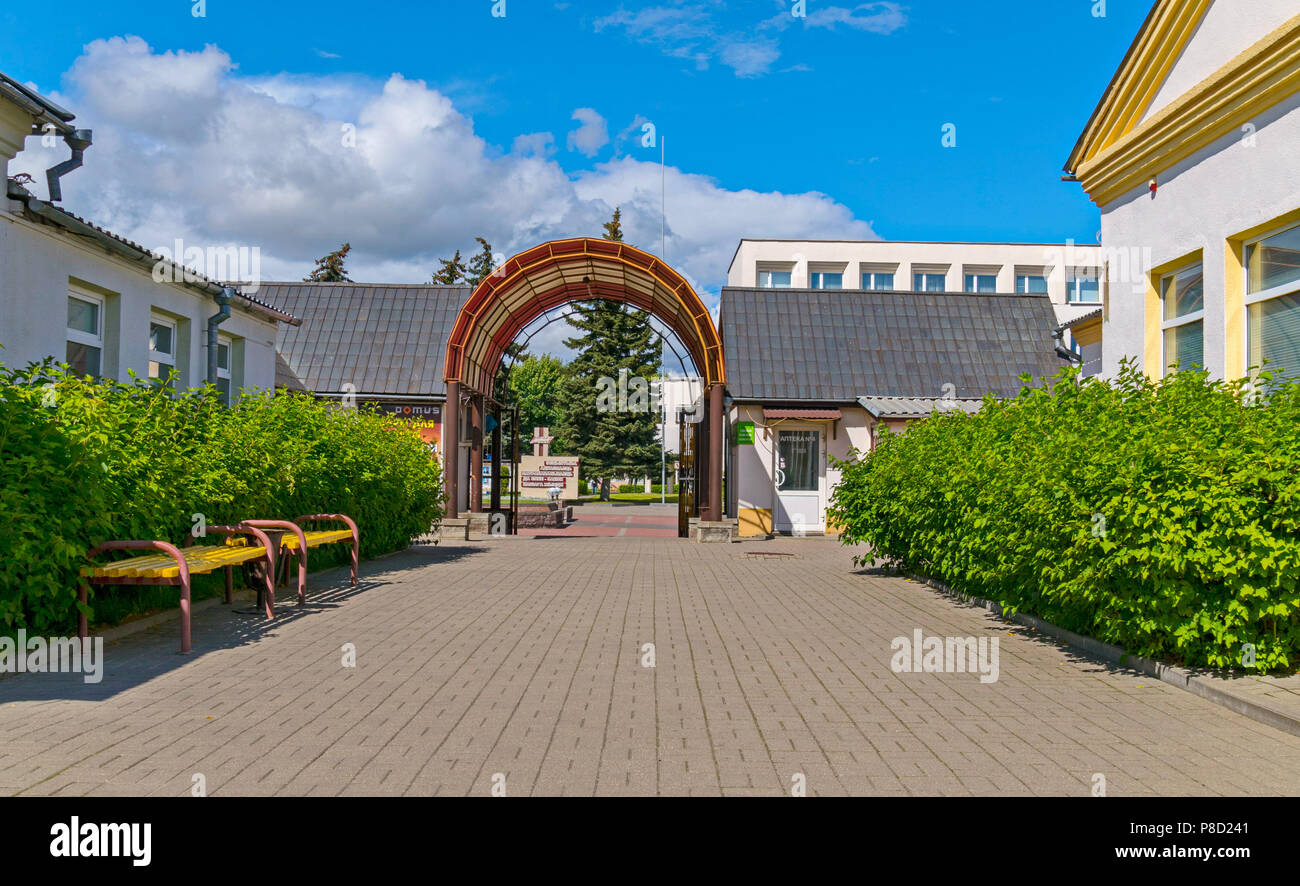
596 519
522 657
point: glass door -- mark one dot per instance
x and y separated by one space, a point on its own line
798 482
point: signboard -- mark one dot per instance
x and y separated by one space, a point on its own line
538 473
745 433
423 417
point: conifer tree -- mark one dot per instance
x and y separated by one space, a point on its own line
330 269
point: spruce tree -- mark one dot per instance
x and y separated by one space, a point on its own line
451 271
330 269
608 419
481 265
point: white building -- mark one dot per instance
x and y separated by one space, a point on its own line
1068 273
1193 156
72 290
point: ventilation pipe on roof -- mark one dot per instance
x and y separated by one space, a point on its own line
78 140
221 316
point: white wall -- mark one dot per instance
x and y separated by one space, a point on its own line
37 264
1224 189
1228 28
752 464
956 258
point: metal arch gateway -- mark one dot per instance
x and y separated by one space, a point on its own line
554 274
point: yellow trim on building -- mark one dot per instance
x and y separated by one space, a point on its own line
1088 333
1153 361
1234 289
754 522
1112 160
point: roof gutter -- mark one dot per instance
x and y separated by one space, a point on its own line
221 316
78 141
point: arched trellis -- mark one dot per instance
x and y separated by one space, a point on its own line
555 274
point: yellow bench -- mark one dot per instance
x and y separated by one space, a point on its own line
296 541
170 565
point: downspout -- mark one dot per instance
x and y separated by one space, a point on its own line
78 140
221 316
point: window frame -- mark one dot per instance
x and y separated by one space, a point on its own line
227 374
1073 276
1250 299
81 337
863 275
975 276
1182 320
921 278
759 280
172 361
815 277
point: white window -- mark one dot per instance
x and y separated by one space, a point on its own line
882 281
1083 287
225 353
85 351
162 351
981 283
773 279
825 280
1182 298
1273 300
1031 283
929 281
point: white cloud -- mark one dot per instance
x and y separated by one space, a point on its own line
693 31
591 135
186 147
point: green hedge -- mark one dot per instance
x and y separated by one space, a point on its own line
1161 517
86 461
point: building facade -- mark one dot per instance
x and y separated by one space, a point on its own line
108 307
1193 156
814 375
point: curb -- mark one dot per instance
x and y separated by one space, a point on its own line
1174 676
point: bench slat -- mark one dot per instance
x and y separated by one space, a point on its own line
317 538
200 560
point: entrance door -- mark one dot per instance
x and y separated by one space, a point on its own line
798 482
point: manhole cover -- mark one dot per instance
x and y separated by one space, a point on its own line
770 555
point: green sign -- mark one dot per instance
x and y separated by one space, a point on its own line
745 433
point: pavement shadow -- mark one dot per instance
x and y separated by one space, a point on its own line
153 652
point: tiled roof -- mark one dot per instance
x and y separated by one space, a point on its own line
916 407
837 345
382 339
1079 318
75 224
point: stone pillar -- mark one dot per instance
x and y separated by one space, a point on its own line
476 454
451 449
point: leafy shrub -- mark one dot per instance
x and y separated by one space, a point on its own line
85 461
1163 516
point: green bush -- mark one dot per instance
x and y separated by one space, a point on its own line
85 461
1163 517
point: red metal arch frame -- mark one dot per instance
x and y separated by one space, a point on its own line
564 271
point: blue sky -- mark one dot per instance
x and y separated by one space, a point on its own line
835 120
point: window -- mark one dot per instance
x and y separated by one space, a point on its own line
825 280
880 281
1273 300
1182 297
85 351
981 282
1031 283
162 351
799 462
929 281
224 351
1083 287
774 279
